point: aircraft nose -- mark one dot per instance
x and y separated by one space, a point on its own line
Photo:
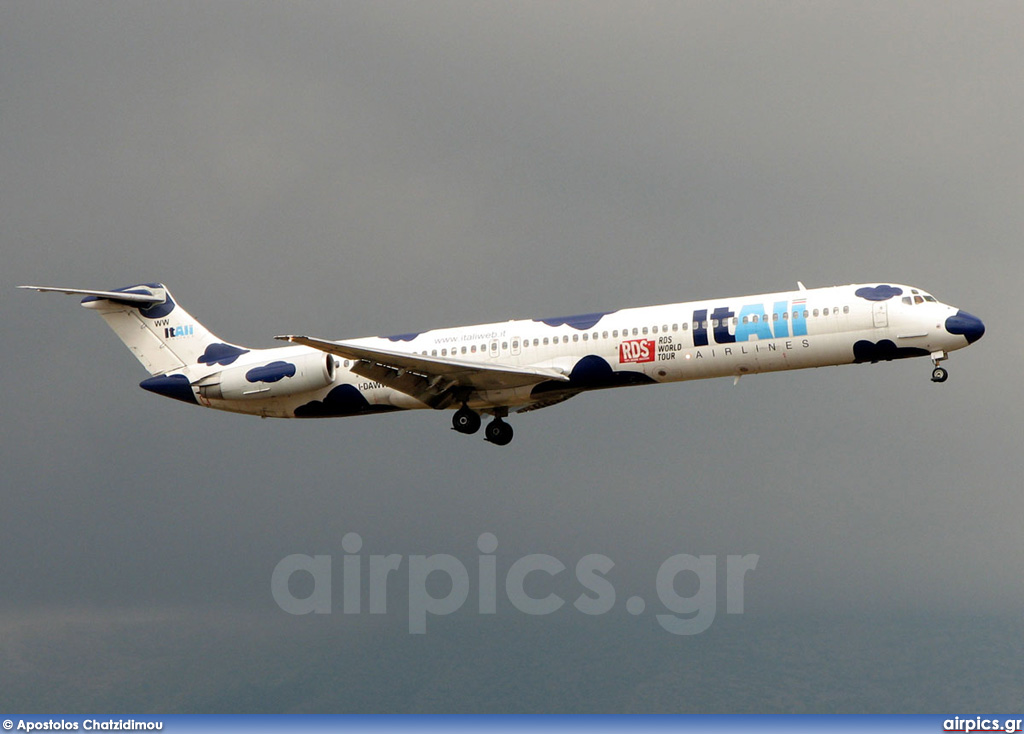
968 326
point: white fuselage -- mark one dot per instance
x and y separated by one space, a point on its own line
684 341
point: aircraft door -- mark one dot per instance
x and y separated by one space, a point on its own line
881 314
494 349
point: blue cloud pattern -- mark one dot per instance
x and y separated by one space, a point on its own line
152 311
272 372
341 401
884 351
879 293
583 322
222 354
593 373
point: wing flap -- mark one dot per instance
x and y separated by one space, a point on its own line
554 400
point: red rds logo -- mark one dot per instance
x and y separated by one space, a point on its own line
637 350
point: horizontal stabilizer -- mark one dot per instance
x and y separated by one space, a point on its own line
124 297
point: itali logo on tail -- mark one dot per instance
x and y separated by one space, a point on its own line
161 334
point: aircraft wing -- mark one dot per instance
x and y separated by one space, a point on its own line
436 381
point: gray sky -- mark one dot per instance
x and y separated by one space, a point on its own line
353 169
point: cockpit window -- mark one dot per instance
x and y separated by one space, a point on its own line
917 298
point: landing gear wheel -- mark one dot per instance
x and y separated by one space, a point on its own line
498 432
466 420
939 374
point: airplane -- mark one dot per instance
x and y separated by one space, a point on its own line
525 365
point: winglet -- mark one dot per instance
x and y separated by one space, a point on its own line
801 285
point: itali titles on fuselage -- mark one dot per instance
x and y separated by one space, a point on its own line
524 365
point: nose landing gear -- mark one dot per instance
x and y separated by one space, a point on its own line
939 374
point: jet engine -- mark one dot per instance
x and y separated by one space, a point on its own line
278 378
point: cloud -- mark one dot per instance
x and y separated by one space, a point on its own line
582 321
884 351
879 293
271 372
343 400
222 354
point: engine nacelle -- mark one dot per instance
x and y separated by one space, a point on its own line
279 378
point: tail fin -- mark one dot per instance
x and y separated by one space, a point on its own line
161 334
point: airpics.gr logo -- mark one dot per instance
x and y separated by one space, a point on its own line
637 350
536 584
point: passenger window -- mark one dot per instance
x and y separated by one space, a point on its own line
846 309
675 327
654 330
635 331
686 326
575 337
645 331
545 341
815 312
604 335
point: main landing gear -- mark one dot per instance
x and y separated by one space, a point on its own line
939 374
466 420
497 432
